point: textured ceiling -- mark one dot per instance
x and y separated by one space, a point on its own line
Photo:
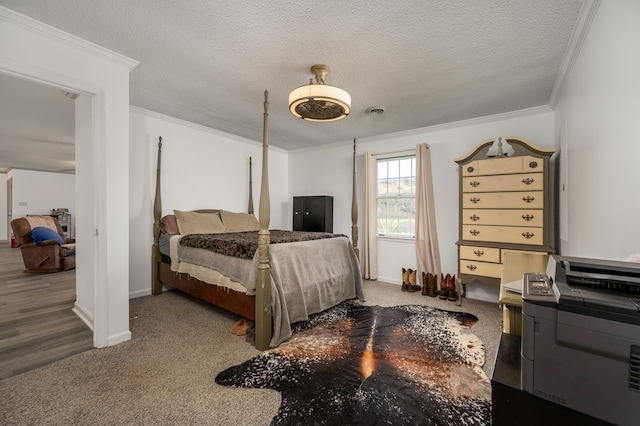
426 62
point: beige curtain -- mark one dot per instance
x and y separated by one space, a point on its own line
369 240
427 251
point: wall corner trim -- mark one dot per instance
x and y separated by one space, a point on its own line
580 31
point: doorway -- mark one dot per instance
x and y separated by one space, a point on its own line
42 54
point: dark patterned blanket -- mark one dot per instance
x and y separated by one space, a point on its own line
245 244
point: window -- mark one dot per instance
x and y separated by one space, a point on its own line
396 197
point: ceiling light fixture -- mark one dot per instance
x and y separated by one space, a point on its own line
319 101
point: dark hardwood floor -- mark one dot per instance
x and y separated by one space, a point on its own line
37 325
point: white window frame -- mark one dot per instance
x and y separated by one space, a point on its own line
396 176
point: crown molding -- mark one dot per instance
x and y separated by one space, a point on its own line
435 128
31 24
160 116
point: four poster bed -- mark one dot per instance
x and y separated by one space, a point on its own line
233 261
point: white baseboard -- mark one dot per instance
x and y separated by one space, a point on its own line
83 314
87 318
119 338
490 296
390 280
139 293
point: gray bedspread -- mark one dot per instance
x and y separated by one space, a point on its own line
306 277
164 243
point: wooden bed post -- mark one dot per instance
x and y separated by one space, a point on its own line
354 207
263 286
156 286
250 208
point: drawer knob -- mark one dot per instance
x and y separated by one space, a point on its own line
474 200
474 232
474 183
471 267
474 218
527 217
470 169
528 199
478 253
528 181
527 235
533 164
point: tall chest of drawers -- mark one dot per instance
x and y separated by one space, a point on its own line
504 205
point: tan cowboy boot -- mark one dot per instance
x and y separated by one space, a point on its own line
413 287
405 279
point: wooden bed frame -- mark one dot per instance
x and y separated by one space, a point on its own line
258 307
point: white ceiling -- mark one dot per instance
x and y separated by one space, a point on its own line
427 62
36 127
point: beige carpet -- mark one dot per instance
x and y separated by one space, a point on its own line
165 374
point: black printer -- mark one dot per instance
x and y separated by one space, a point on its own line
581 336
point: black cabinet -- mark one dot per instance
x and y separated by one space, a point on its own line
314 213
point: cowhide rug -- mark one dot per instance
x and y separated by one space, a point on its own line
354 364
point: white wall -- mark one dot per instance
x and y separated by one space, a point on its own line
598 117
46 55
39 192
328 172
4 226
201 168
86 264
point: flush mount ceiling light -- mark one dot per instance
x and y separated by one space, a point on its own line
318 101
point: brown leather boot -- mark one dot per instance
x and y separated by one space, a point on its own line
405 279
452 294
432 279
413 287
425 284
444 287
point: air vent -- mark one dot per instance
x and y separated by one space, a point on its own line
376 110
634 368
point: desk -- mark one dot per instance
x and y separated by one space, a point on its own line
515 264
64 219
